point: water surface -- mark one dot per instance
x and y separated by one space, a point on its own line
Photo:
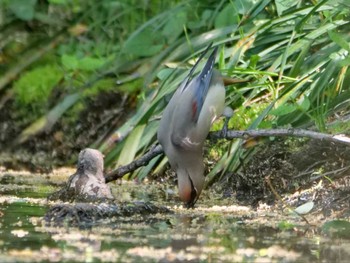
220 233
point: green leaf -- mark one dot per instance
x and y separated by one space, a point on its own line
283 109
131 146
23 9
165 73
284 225
90 63
304 103
282 5
69 62
243 6
254 59
227 17
87 63
143 44
339 40
174 26
345 62
59 2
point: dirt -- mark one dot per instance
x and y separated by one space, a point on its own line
287 172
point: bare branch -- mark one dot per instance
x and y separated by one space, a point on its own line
142 161
231 134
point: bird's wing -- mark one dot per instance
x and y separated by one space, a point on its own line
190 74
189 103
200 86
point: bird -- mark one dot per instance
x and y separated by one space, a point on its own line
197 102
88 182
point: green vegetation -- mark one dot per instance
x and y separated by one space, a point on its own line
295 54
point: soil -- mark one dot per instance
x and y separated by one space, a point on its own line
287 172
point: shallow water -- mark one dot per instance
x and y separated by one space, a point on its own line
205 234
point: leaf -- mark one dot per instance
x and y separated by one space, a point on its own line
345 62
90 63
147 170
282 5
254 59
174 26
23 9
59 2
243 6
227 17
304 103
285 225
165 73
143 44
283 109
87 63
304 208
69 62
198 23
131 146
339 40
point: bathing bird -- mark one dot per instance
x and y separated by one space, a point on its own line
196 104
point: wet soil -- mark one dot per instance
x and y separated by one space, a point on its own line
289 166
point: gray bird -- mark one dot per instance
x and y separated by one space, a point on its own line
89 180
87 183
186 122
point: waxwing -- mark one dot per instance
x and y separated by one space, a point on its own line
186 122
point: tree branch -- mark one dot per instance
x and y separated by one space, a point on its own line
231 134
142 161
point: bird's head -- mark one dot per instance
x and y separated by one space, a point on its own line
90 161
190 183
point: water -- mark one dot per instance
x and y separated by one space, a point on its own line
205 234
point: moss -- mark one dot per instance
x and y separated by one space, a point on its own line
41 79
34 87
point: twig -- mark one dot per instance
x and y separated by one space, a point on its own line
337 171
231 134
268 181
142 161
339 138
